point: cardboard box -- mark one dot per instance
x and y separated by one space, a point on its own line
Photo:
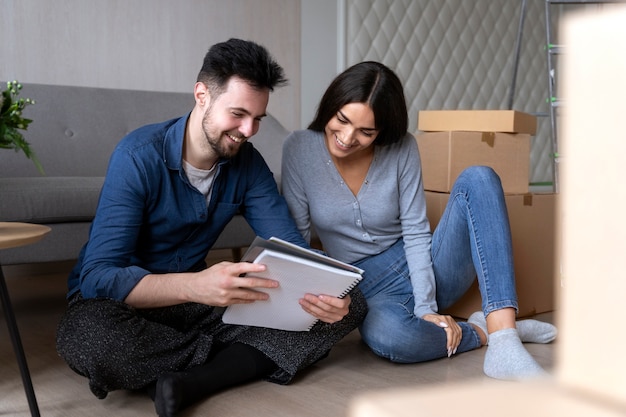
445 155
507 121
532 219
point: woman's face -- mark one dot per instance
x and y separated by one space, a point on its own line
351 132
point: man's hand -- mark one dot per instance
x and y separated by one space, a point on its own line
222 284
219 285
325 307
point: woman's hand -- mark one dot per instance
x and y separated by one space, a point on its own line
453 330
325 307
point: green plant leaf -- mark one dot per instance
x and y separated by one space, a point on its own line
11 122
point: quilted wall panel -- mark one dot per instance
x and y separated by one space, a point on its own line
459 54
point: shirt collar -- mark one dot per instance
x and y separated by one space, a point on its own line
173 143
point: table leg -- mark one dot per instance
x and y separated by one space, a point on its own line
17 346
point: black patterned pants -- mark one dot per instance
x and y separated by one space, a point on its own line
119 347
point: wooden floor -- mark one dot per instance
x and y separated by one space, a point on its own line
324 390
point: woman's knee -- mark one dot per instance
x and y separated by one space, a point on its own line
479 174
478 181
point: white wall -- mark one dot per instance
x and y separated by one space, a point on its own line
144 44
323 55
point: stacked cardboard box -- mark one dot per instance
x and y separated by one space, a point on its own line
453 140
450 141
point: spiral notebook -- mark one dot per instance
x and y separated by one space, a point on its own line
299 271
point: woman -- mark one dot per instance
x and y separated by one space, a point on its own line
355 177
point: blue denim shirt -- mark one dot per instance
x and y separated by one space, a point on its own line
150 219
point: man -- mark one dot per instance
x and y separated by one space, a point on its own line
143 308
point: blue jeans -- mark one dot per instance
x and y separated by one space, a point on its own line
472 239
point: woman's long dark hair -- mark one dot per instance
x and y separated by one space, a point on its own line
374 84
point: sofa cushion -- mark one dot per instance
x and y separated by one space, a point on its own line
49 199
75 129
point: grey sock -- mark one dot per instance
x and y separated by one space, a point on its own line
535 331
506 358
530 330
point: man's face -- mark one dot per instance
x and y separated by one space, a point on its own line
233 117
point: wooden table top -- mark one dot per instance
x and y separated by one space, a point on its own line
13 234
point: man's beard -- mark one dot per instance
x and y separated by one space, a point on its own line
223 148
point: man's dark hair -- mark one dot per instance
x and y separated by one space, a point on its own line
374 84
244 59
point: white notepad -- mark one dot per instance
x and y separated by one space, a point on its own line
297 276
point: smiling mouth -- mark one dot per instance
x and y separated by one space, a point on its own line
235 138
340 143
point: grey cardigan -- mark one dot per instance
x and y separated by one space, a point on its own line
389 206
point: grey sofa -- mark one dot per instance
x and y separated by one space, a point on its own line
73 133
